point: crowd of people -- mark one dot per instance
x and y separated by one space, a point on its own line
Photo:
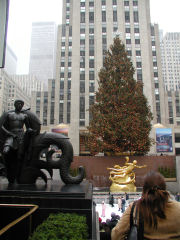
158 210
107 224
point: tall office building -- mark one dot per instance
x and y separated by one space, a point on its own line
170 57
10 61
43 51
87 30
28 83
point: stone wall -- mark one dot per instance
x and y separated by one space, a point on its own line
98 174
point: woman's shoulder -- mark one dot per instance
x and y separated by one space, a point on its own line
173 204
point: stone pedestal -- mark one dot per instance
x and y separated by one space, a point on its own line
51 198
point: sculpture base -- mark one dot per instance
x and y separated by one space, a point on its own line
122 188
51 198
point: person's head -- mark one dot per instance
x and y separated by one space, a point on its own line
154 198
18 104
134 162
113 215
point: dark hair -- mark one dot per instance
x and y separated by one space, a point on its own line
154 198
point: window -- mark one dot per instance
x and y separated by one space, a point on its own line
114 16
126 3
104 40
128 30
139 76
82 104
127 17
138 64
82 20
82 41
103 2
154 64
62 54
91 63
115 29
91 30
136 16
135 3
82 4
91 41
138 53
91 87
82 76
91 17
91 100
91 75
129 52
136 30
154 53
61 84
103 16
82 53
82 30
152 31
128 41
153 43
155 74
156 85
82 86
114 2
103 29
91 52
91 4
62 75
137 41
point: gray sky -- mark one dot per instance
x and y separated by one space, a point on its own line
23 12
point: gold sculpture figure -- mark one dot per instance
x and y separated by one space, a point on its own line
123 178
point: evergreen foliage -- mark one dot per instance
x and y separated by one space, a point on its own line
62 226
120 117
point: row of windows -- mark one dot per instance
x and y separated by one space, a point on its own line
114 2
127 17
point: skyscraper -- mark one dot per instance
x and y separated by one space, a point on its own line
43 51
170 49
88 28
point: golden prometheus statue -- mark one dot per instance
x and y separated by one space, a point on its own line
123 178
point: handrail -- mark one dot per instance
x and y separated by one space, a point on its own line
34 208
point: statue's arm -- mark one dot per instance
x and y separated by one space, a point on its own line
7 132
27 124
141 166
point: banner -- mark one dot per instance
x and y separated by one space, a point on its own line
164 140
4 8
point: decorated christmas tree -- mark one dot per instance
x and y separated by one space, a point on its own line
120 117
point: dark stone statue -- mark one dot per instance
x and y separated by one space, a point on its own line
25 151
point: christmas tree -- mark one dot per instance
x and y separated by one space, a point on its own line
120 117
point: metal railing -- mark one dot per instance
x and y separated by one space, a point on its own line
21 218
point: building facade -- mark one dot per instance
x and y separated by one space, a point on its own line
43 51
10 61
28 83
170 57
10 91
87 30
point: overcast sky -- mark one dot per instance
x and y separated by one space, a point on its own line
23 12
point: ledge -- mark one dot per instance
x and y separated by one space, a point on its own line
170 179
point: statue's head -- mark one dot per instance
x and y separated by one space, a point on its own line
18 104
134 162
